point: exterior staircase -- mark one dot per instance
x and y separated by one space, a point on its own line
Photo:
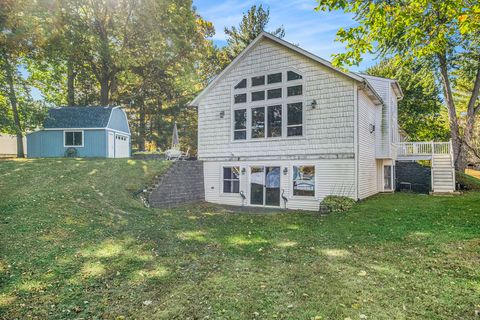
441 156
443 173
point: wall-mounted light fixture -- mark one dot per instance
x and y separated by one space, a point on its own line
285 171
244 170
222 114
313 104
372 128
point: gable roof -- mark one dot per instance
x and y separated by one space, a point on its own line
356 77
78 117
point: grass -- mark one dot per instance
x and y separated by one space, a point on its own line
469 180
75 244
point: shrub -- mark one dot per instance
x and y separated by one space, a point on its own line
336 204
467 182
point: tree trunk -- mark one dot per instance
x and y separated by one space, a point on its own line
70 83
104 92
13 102
141 126
459 151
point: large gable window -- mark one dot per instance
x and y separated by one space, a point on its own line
73 138
268 105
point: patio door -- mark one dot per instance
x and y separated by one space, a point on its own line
265 186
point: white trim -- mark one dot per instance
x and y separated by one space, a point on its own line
73 146
81 129
297 49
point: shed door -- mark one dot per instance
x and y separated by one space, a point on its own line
111 145
122 146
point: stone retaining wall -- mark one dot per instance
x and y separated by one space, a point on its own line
181 183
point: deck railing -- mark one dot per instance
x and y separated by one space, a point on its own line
423 148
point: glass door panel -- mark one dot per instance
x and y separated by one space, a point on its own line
257 181
387 177
272 186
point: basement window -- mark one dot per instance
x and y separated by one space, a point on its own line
304 181
231 179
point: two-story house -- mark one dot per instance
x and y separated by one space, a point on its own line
282 127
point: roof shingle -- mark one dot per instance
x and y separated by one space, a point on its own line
78 117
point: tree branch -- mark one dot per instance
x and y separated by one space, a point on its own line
473 98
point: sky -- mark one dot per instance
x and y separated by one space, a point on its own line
311 30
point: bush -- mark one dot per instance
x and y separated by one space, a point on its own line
336 204
467 182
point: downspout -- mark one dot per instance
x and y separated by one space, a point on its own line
355 136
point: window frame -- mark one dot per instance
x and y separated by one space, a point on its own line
303 164
222 168
73 146
283 101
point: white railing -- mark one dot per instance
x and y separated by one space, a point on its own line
423 148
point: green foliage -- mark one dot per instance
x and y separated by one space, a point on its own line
421 114
76 244
254 22
440 35
467 181
337 203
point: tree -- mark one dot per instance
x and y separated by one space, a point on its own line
17 39
420 112
436 34
254 22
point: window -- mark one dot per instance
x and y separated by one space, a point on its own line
258 95
240 98
73 138
274 121
294 119
258 122
274 78
258 81
294 91
387 177
274 93
242 84
293 76
231 179
266 106
240 125
304 181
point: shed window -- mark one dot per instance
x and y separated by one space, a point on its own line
73 138
231 179
304 181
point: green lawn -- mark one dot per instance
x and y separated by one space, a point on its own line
74 243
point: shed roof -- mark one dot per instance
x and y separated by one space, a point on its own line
78 117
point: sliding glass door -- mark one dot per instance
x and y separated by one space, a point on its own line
265 186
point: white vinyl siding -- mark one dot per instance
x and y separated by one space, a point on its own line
332 176
367 167
327 129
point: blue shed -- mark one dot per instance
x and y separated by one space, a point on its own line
84 131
